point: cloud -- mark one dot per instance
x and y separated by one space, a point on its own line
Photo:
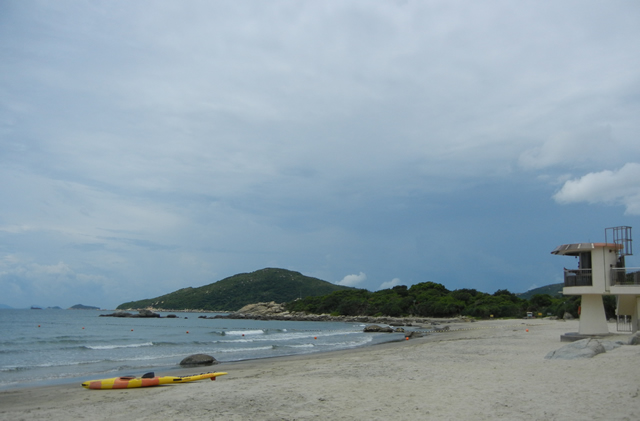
610 187
390 284
203 139
38 283
353 280
578 146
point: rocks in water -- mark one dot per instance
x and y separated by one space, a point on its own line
142 313
198 359
376 328
171 316
117 314
584 348
146 313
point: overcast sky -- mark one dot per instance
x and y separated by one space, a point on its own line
147 146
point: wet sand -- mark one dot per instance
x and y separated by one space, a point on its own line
485 371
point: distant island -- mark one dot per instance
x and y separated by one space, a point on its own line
83 307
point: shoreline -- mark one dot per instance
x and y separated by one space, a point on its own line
493 369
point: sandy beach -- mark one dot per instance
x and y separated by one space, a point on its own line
478 371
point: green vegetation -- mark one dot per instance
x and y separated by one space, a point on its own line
431 299
233 293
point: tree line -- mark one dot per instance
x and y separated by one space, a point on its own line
430 299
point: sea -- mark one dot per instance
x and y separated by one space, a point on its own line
52 346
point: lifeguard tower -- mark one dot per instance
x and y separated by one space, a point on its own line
601 271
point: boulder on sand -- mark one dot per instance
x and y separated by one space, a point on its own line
198 359
585 348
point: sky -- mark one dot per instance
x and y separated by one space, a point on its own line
149 146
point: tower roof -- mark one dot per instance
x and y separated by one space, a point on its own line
577 248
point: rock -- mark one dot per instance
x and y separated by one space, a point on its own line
141 313
146 313
567 316
376 328
635 339
198 359
262 309
117 314
399 329
610 345
585 348
171 316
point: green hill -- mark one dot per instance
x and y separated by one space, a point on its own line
555 290
233 293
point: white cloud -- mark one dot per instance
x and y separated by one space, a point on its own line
611 187
390 284
353 280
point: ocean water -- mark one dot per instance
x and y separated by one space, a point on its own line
42 347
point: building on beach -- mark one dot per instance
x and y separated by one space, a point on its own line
601 271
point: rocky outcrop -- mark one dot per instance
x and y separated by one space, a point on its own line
198 359
141 313
376 328
274 311
262 309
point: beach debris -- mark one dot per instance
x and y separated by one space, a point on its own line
584 348
198 359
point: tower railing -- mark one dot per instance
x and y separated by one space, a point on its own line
578 278
625 276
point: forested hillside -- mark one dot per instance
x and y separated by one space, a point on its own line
431 299
230 294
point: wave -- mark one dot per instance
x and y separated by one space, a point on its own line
296 346
245 332
100 347
259 348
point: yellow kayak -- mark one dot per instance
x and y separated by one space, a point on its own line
146 380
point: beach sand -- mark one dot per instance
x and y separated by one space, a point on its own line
490 370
